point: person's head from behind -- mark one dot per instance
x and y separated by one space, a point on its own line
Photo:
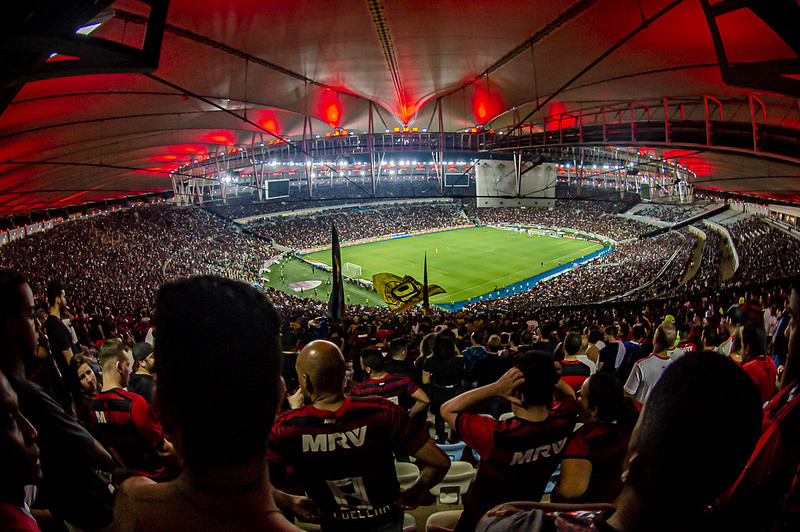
694 436
540 378
321 370
526 337
55 295
734 316
547 329
18 338
85 374
372 360
116 360
289 341
426 345
494 343
610 334
478 337
444 346
398 348
602 399
684 331
710 338
595 335
639 333
222 337
572 344
664 337
19 454
754 341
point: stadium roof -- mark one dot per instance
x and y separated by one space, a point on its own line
230 73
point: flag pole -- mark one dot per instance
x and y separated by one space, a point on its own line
336 301
425 300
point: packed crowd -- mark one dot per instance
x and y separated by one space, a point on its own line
669 213
304 232
541 371
118 261
664 282
707 276
598 191
765 252
632 264
593 217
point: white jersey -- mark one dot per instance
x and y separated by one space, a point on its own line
588 361
645 375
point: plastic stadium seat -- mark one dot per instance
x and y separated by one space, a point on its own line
453 450
443 521
407 474
409 523
551 484
455 483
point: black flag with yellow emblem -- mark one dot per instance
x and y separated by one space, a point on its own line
401 293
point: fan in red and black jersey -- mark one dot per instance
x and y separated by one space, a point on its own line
591 470
518 455
124 422
341 449
574 371
399 389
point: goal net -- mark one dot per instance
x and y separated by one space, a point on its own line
351 270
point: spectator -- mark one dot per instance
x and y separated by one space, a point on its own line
591 470
573 371
528 446
70 489
341 448
673 441
399 389
124 421
647 371
224 482
85 376
19 463
443 371
633 353
612 355
397 365
475 352
755 363
733 322
142 381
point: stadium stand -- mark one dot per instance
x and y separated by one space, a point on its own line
112 265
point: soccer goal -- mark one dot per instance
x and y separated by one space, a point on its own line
351 270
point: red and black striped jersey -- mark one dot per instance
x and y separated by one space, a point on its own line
124 421
392 387
604 445
517 456
574 372
344 459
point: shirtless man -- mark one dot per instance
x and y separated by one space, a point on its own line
214 338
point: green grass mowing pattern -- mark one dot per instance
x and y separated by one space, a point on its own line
465 262
295 270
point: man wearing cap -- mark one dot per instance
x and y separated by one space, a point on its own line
142 381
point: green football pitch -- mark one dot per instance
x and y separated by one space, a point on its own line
465 262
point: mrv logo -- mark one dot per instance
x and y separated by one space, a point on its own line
545 451
329 442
